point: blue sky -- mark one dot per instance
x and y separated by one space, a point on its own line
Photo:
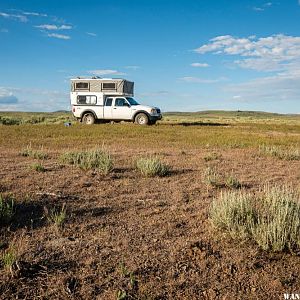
183 55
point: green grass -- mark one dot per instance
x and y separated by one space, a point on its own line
272 219
8 258
97 159
56 216
7 209
152 166
243 130
38 167
23 118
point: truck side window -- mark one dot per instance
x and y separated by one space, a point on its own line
120 102
108 101
86 99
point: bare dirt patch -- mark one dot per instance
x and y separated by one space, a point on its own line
135 237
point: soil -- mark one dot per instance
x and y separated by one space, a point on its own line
138 238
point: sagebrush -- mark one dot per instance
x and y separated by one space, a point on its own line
271 219
98 159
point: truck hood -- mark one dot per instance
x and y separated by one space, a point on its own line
143 107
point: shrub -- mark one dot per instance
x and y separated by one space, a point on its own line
38 167
232 182
272 220
7 209
10 121
281 153
211 156
152 166
211 176
278 223
92 159
37 154
233 212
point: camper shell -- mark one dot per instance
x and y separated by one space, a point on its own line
116 86
109 99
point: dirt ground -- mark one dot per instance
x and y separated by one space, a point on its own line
130 237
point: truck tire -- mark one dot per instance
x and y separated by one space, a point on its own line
141 119
88 119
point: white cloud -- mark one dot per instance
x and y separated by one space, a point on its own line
200 65
16 17
277 55
7 97
274 53
54 27
105 72
263 7
91 33
201 80
270 88
59 36
132 67
35 14
31 99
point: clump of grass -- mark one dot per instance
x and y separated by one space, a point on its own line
211 156
121 295
93 159
232 182
130 283
7 209
56 216
38 167
211 176
233 212
9 257
152 166
281 153
278 224
30 152
272 220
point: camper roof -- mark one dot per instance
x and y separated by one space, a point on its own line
96 78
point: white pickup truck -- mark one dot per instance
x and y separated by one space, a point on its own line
99 99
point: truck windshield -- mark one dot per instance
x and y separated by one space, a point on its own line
132 101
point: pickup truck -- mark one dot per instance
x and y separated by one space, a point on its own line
107 100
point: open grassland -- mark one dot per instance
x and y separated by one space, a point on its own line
199 206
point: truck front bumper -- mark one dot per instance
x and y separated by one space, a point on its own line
155 117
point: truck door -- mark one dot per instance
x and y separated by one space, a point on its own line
121 109
107 108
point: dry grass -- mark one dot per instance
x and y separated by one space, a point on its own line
290 153
34 153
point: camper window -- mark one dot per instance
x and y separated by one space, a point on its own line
81 85
108 86
87 100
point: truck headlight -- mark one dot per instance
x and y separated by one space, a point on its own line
153 111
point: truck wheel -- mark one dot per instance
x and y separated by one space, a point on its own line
141 119
88 119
